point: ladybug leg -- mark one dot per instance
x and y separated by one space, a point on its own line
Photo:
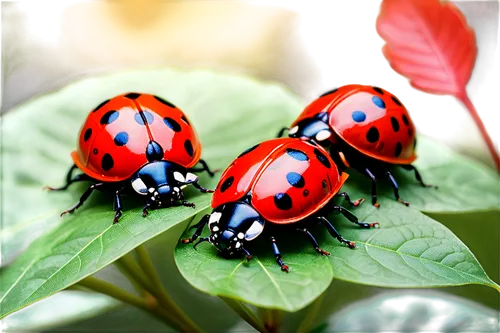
351 217
277 255
396 188
334 233
69 180
282 131
204 168
374 187
199 187
199 229
84 197
348 199
417 175
147 206
117 207
313 241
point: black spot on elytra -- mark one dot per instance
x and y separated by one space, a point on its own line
297 154
87 134
377 89
101 105
161 100
184 119
121 139
322 158
132 95
405 120
410 132
172 124
283 201
154 152
295 179
246 151
107 162
395 124
399 148
109 117
144 117
329 92
189 148
396 101
305 193
372 135
227 184
95 151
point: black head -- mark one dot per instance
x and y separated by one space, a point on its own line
315 128
232 225
161 182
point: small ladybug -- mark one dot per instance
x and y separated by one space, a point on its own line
137 142
280 182
367 128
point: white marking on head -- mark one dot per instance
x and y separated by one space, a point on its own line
238 245
179 177
151 190
139 186
323 135
176 189
214 217
254 230
191 177
241 235
215 229
293 130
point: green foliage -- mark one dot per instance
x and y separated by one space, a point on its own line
230 114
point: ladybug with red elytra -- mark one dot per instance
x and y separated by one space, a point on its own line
278 182
138 143
366 128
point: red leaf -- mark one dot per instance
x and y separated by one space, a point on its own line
430 43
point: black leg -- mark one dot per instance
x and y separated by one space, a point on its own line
84 197
313 241
417 175
396 188
348 199
204 168
199 187
282 131
146 207
351 217
277 255
187 204
199 229
69 180
334 233
117 207
374 187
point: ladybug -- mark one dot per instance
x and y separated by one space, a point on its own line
140 143
280 182
367 128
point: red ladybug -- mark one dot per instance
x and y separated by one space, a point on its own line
280 182
367 128
140 142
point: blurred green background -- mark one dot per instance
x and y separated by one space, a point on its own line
97 36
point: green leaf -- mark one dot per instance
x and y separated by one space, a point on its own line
410 250
464 185
60 309
410 312
78 245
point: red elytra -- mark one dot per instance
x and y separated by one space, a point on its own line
285 183
112 141
369 119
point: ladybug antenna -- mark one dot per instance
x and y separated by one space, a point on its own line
249 256
202 239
